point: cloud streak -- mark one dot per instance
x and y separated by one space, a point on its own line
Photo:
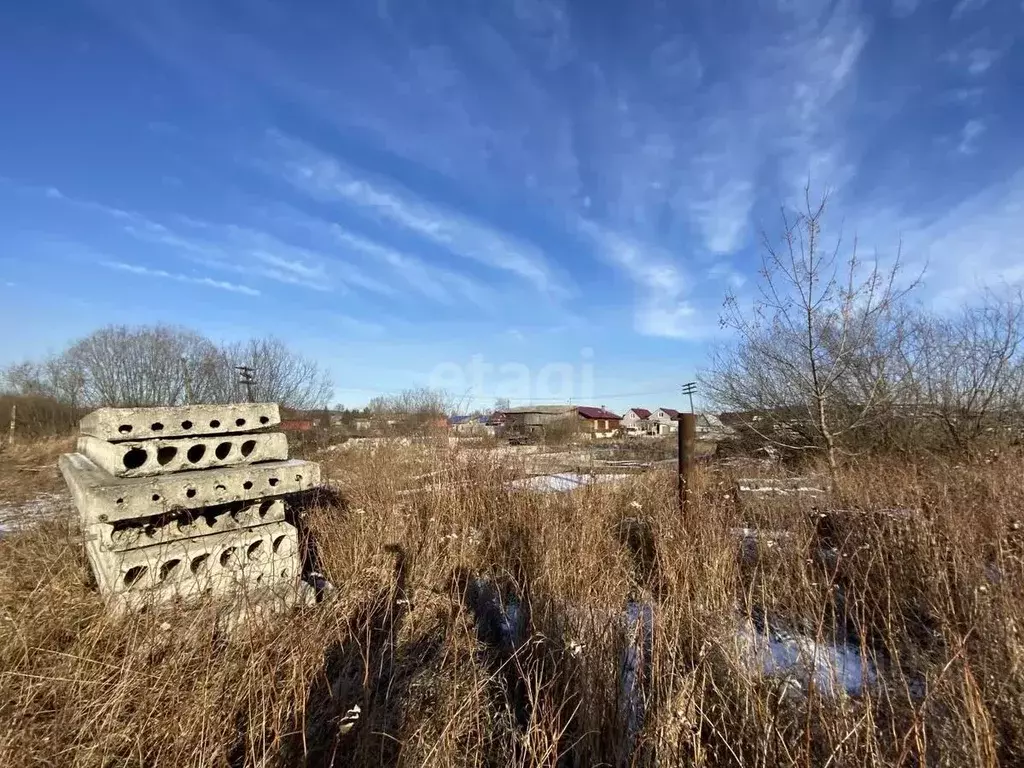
208 282
324 177
660 285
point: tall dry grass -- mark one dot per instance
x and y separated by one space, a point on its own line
934 600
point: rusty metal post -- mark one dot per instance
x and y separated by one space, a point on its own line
687 433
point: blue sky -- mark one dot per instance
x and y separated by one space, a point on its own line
512 197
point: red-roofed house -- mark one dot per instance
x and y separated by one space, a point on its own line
598 422
636 421
665 421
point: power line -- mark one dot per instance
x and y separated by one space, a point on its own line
609 396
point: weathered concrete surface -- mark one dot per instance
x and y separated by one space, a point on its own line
260 556
46 506
102 498
146 458
145 532
183 421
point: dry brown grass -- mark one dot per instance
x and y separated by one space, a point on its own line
920 596
29 469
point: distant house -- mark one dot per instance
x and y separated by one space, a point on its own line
664 421
710 427
362 425
296 425
598 422
497 419
468 425
533 418
637 421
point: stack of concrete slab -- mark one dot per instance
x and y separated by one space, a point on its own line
182 502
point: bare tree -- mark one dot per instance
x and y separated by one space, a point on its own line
134 366
814 351
413 410
280 374
160 365
971 370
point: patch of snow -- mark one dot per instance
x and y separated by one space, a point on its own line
562 482
782 491
833 667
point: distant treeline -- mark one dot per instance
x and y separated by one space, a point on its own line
124 366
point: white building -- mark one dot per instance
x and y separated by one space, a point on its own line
665 421
637 421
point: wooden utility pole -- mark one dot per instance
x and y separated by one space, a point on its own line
14 420
688 389
245 377
687 433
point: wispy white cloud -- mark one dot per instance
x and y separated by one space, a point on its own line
238 249
976 243
227 248
659 284
903 8
438 284
780 119
979 60
977 53
969 135
967 6
322 176
209 282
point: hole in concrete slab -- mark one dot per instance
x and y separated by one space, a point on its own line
156 497
196 453
168 569
220 487
186 424
165 455
284 574
223 450
265 508
191 493
248 447
239 422
125 429
133 575
278 542
227 558
247 484
200 563
156 426
298 478
273 481
120 501
255 550
135 458
259 579
264 419
214 424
